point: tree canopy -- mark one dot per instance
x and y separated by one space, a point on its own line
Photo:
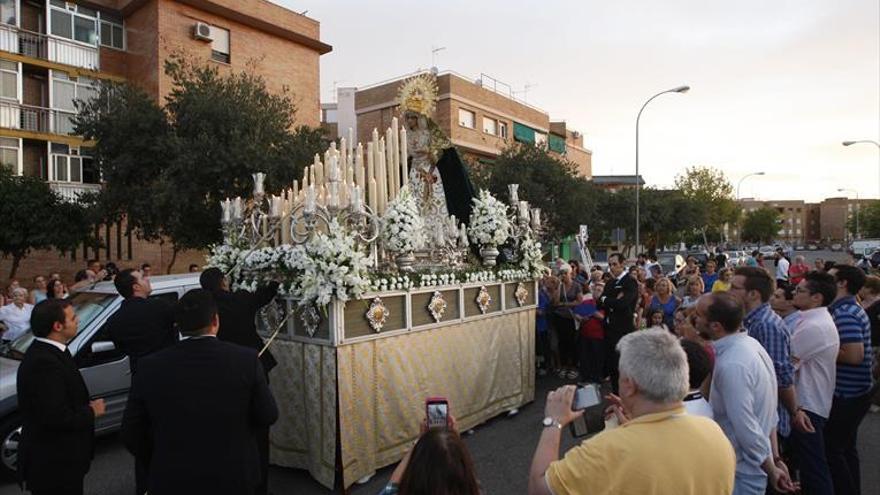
761 225
167 167
35 217
709 188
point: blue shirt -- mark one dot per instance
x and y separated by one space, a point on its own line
743 400
709 281
853 326
770 330
544 307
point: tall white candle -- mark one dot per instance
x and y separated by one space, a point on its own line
389 163
381 177
404 158
395 154
359 165
355 203
372 200
311 199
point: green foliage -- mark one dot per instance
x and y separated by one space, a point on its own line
868 222
711 190
566 200
34 217
166 168
761 225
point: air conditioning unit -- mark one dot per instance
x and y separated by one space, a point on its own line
202 31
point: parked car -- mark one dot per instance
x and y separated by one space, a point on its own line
836 246
103 367
864 247
671 263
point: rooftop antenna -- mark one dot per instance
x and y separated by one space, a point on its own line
434 50
525 91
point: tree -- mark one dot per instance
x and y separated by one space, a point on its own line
868 224
566 200
35 217
713 193
761 225
167 167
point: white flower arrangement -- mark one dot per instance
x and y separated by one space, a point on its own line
531 260
224 257
331 266
437 279
480 276
513 274
488 223
394 282
402 224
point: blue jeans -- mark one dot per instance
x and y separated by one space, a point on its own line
749 484
809 451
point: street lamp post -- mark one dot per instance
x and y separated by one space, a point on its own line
738 184
875 143
858 206
679 89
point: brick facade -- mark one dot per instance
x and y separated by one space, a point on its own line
280 45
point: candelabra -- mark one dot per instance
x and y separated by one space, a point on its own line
524 222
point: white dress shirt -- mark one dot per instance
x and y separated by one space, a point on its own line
814 347
17 320
61 347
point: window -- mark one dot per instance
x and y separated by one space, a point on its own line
74 22
8 79
112 31
9 153
489 126
220 45
466 118
67 168
502 130
7 12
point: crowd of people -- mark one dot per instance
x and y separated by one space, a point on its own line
744 379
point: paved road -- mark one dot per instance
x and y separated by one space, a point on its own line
502 449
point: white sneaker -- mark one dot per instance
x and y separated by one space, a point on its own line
366 479
512 412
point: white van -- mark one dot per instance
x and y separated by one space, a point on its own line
864 247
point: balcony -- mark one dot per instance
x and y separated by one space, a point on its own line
42 46
14 115
70 191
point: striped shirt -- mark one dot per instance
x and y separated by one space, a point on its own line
853 326
771 331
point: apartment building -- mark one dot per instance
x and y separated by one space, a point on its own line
481 117
53 52
614 183
803 222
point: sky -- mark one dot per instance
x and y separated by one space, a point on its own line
775 86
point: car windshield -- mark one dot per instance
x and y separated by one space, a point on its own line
88 305
667 262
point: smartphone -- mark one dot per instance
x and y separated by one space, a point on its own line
588 398
437 412
585 396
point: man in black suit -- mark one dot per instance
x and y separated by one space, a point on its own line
140 327
193 408
58 419
238 312
619 302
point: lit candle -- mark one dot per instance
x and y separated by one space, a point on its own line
513 189
226 206
536 218
259 177
355 204
310 199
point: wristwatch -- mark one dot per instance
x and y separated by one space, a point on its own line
549 421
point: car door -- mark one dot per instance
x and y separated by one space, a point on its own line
106 371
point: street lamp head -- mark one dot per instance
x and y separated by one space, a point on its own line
848 143
760 173
681 89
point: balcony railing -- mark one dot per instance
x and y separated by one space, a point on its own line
38 45
71 191
14 115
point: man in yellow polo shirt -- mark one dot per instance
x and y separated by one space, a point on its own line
658 449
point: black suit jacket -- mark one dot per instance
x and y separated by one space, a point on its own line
141 327
58 426
192 411
619 302
238 313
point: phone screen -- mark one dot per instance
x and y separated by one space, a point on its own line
437 413
586 396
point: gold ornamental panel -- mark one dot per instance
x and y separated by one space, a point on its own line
471 308
422 316
356 324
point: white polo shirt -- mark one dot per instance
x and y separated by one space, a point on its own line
814 347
